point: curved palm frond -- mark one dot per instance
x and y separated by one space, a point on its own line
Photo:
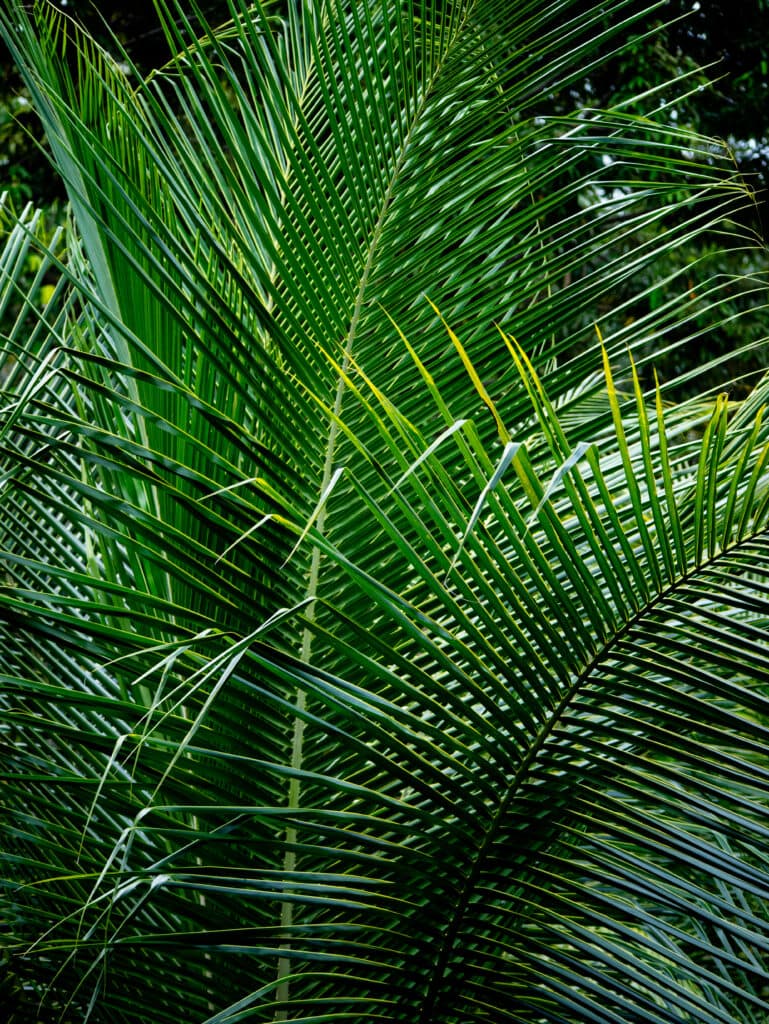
355 671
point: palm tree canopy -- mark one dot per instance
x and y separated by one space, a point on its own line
379 641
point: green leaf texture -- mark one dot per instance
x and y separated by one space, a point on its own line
378 641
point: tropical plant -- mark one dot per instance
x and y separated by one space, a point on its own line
362 658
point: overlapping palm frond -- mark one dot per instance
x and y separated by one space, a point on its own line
360 661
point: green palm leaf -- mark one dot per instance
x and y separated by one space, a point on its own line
355 671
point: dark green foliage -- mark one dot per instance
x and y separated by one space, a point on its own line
377 641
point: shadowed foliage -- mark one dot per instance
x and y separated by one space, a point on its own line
378 642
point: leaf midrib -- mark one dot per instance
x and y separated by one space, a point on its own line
435 991
289 861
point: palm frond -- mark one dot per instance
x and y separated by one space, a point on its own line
361 671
